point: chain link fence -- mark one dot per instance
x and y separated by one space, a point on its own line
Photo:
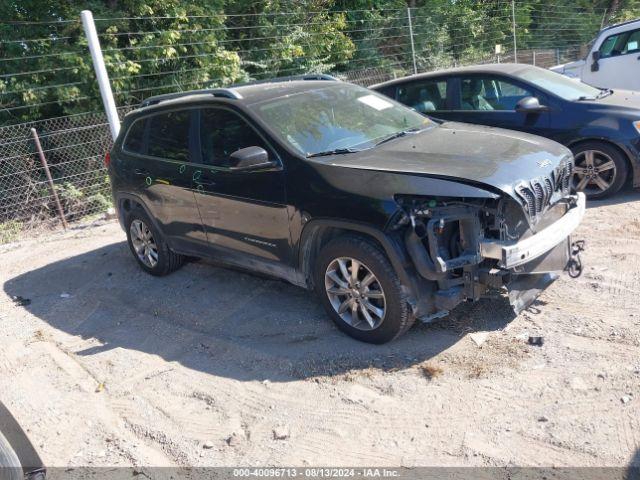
74 148
152 55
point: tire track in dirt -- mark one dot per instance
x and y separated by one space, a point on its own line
179 372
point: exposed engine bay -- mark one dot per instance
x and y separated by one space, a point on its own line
466 250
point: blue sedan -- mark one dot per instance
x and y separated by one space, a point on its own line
601 127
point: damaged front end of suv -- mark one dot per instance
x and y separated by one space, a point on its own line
517 241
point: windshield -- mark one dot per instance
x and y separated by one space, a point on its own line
562 86
338 118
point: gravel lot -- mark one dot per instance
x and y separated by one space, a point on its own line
109 366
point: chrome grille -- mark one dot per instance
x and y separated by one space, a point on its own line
563 175
537 194
549 186
529 200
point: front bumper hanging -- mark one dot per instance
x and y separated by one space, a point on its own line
515 253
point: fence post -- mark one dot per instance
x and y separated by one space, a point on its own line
101 72
534 57
413 48
43 160
513 21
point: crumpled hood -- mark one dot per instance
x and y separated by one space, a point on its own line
499 158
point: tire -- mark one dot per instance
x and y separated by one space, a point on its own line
389 295
603 183
10 468
164 261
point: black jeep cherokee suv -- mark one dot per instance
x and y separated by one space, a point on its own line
388 215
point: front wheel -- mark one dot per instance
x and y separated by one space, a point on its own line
10 468
600 169
360 290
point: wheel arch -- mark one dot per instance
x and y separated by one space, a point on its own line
126 202
17 442
318 232
633 168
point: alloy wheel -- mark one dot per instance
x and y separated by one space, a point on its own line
594 172
143 243
355 293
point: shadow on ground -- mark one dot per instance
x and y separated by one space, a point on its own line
625 196
220 321
633 470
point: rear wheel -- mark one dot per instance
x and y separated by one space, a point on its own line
360 290
10 468
600 169
149 247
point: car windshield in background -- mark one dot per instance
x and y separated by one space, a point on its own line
338 118
562 86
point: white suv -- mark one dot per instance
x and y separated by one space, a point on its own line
613 61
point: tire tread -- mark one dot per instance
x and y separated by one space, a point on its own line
618 157
362 244
172 260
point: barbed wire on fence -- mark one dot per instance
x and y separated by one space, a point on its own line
46 73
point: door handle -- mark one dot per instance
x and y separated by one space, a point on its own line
141 171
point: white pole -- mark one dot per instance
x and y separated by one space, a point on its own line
513 18
413 48
101 72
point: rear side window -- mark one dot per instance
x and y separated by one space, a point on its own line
134 141
169 135
424 95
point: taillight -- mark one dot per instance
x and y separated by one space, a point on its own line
107 160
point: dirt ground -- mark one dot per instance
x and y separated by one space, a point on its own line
109 366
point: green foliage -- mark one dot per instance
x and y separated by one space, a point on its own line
98 203
77 203
157 46
153 47
10 231
71 198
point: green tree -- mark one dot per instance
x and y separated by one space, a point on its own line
158 46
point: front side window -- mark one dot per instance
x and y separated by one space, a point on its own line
169 135
336 116
223 132
620 44
608 46
424 95
486 93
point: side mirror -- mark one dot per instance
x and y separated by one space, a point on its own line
250 158
595 66
530 105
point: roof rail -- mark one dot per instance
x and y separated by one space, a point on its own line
621 24
216 92
291 78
